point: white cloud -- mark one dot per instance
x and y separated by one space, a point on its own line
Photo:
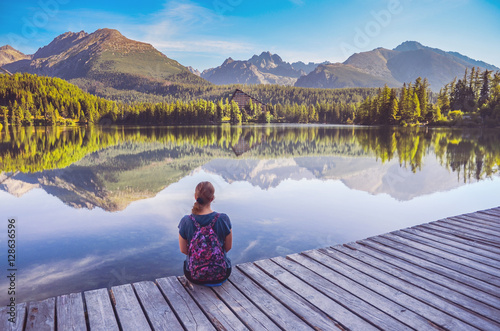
181 26
59 271
210 46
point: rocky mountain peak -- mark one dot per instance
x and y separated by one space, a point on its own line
267 60
409 46
60 44
9 54
7 48
228 61
266 68
194 71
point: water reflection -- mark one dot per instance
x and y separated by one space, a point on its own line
98 207
111 167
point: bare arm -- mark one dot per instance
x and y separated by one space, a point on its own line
228 242
183 245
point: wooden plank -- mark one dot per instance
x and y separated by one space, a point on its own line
349 304
246 311
215 309
471 221
100 311
495 212
415 287
20 316
273 309
41 315
329 306
70 312
480 278
481 271
299 306
480 219
464 233
438 232
188 312
129 310
455 244
470 258
463 283
476 229
446 288
158 312
487 213
367 293
376 281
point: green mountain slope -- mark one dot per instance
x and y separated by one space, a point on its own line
340 76
109 58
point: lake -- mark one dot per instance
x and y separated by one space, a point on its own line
99 206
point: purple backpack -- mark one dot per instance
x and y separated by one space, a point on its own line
206 256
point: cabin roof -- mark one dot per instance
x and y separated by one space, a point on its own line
251 97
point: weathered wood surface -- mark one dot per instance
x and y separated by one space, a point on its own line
70 313
440 275
18 323
189 313
267 303
219 314
100 310
157 310
128 309
41 315
244 308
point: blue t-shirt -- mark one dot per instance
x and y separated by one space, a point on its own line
222 227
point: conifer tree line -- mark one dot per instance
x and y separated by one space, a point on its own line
475 98
27 99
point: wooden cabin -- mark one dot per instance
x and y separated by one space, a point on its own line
243 99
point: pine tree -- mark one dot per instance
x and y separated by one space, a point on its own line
484 94
394 108
416 113
403 103
422 91
235 113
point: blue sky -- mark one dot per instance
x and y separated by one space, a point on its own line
203 34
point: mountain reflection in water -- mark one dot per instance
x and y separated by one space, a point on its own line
99 206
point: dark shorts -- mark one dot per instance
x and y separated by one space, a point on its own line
187 273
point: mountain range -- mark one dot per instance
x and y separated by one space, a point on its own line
104 56
265 68
109 59
403 64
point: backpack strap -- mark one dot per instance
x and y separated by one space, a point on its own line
214 220
212 223
196 224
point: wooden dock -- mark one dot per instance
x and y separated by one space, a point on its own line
440 275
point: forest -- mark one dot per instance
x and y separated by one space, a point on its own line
473 100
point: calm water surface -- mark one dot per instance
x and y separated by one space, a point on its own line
98 207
